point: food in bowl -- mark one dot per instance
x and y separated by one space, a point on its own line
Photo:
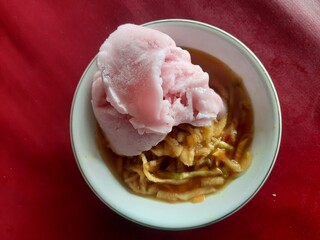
264 147
176 134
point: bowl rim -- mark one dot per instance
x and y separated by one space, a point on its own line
274 95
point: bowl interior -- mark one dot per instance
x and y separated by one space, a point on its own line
267 128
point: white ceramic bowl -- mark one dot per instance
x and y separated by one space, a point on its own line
265 146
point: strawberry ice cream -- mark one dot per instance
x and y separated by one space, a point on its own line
146 85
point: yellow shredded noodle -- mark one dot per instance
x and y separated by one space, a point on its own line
190 163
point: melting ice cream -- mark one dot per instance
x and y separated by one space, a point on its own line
145 86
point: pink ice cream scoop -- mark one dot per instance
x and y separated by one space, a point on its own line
146 85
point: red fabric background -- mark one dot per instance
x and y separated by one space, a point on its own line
45 47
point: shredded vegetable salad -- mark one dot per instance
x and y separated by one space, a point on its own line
190 163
